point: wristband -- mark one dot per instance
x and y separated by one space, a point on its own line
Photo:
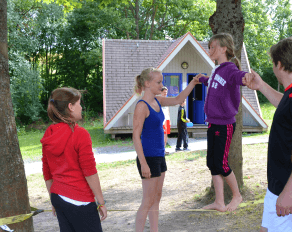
100 205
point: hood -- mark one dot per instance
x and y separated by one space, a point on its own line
56 138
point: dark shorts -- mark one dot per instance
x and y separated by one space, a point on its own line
157 166
219 139
74 218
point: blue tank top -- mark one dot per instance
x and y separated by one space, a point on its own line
152 136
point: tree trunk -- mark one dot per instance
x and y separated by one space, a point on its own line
228 18
13 188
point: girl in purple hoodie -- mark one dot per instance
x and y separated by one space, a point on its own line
221 106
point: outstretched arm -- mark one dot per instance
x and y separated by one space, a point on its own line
172 101
255 82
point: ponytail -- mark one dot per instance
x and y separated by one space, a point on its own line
144 76
236 62
138 86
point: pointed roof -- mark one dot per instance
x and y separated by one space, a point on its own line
123 60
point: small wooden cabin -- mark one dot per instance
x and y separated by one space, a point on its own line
179 60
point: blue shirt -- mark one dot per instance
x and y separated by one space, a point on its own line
152 136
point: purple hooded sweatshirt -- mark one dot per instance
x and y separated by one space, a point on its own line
223 96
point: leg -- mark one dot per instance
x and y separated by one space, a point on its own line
185 137
165 139
179 138
149 194
236 196
219 191
153 214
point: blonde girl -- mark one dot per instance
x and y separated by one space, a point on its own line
148 137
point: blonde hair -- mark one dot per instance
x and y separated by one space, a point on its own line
146 75
58 105
226 40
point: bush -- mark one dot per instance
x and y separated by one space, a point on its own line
26 87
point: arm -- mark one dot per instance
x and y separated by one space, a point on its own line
182 116
172 101
88 166
140 113
49 184
284 201
255 82
94 184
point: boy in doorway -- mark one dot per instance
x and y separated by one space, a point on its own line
182 128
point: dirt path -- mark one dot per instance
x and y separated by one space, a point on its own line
184 188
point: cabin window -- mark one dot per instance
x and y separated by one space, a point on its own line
173 84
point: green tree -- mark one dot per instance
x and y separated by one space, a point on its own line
13 184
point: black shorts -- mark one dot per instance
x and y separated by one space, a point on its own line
157 165
219 139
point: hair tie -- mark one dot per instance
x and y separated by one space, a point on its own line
52 100
234 57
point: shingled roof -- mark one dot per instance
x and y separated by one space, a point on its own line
123 60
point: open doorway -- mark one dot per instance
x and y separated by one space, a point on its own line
196 101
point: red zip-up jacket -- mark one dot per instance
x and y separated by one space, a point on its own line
68 159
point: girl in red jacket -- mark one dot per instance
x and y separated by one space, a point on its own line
69 166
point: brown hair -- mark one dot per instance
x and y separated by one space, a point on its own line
58 105
226 40
282 52
144 76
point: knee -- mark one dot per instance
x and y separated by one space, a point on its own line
148 202
158 196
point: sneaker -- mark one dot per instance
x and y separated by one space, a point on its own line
166 153
186 149
178 149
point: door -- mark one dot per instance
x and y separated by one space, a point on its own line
196 101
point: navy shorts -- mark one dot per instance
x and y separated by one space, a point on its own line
74 218
219 139
157 166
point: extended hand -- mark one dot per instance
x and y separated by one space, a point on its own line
252 80
196 78
284 204
146 171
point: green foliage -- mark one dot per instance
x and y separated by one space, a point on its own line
25 87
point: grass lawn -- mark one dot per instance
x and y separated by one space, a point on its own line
31 148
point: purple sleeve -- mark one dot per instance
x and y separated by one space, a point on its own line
236 76
204 80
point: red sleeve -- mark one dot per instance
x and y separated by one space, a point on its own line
85 154
46 169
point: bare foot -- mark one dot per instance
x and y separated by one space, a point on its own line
234 203
215 206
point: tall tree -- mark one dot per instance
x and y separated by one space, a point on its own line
228 18
13 185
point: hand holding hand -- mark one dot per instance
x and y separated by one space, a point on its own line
196 78
252 80
103 212
284 204
146 171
